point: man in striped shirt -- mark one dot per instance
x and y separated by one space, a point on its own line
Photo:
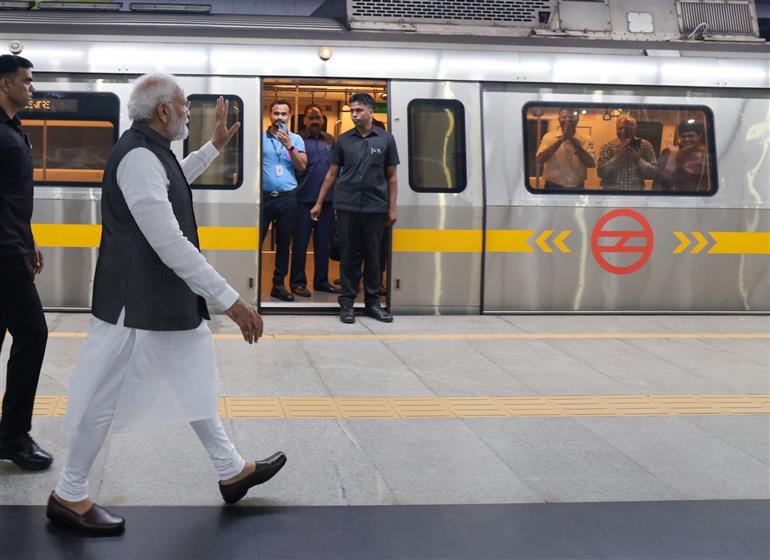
624 163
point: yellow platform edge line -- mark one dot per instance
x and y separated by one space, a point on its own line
470 407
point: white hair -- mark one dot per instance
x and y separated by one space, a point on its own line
150 91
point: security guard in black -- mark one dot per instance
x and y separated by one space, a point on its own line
21 311
362 185
362 172
15 189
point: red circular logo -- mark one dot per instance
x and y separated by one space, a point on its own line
621 242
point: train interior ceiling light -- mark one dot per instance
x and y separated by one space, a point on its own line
170 8
16 4
81 6
146 7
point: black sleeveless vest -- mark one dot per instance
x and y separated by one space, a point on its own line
128 272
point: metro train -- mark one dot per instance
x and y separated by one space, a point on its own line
479 229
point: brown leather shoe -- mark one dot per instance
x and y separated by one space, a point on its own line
301 291
96 521
280 292
266 469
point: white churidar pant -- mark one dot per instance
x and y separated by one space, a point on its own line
130 379
111 388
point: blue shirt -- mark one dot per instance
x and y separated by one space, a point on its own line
318 151
277 167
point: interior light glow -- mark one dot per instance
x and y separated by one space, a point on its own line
81 6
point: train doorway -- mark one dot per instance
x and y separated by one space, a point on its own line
332 98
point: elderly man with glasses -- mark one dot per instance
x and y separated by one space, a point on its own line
149 356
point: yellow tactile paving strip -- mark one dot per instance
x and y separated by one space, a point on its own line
487 336
470 407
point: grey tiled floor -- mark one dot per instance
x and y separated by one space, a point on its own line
448 461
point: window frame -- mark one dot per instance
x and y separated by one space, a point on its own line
711 148
185 145
88 113
462 167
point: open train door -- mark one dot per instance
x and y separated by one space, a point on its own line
310 265
437 241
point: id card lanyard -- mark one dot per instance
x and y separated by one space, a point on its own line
279 168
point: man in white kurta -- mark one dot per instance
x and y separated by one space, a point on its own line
566 154
127 378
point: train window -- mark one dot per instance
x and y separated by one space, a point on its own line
225 172
72 134
436 145
620 149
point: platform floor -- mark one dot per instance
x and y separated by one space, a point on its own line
441 437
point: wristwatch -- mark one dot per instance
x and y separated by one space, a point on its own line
290 148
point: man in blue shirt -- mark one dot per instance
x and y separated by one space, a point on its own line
319 145
283 156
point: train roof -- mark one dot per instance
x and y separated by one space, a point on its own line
133 44
246 28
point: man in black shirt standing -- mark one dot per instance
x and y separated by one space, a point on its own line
21 312
365 200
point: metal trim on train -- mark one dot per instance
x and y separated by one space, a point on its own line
494 246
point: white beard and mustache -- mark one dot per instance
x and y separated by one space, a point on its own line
179 130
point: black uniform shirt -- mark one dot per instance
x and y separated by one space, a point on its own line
362 185
15 189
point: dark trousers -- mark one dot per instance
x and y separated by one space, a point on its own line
360 233
322 239
21 313
383 256
281 211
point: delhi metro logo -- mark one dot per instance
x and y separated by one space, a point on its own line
622 241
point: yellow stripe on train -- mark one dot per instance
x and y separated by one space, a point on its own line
461 241
406 240
437 241
740 242
67 235
89 235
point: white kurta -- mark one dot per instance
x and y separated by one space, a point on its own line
161 377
